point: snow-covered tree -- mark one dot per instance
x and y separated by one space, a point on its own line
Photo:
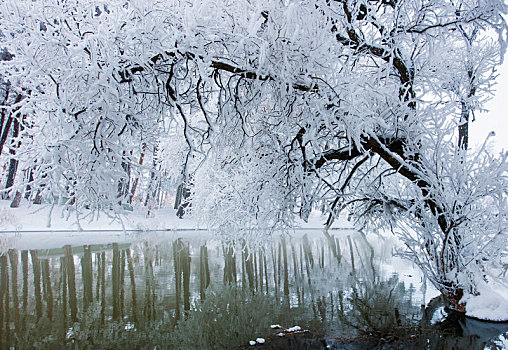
357 105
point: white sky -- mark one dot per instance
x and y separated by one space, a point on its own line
496 119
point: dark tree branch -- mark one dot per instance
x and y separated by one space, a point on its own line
220 66
392 152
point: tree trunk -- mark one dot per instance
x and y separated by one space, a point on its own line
13 163
28 189
123 183
136 181
16 200
38 197
464 127
7 127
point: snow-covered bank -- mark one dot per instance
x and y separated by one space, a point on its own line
491 304
41 227
39 218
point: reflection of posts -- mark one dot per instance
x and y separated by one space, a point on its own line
247 269
4 291
182 260
13 259
460 332
130 266
86 268
24 267
229 264
260 269
204 271
46 287
178 275
63 290
274 265
116 282
298 284
71 282
286 270
37 282
149 306
186 260
122 283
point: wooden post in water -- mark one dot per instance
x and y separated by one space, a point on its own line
36 267
71 282
13 259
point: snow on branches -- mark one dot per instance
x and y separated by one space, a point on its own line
277 107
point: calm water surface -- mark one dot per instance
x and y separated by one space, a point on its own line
166 291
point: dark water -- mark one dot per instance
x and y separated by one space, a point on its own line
344 291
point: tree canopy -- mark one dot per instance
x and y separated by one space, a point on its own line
268 109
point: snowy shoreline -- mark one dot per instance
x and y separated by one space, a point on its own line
38 218
42 227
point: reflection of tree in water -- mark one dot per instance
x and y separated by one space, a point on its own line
385 317
455 331
118 296
378 308
369 305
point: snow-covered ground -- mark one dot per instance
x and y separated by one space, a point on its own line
41 227
491 304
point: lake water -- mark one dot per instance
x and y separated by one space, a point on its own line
170 291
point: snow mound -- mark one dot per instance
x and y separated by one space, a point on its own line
491 304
